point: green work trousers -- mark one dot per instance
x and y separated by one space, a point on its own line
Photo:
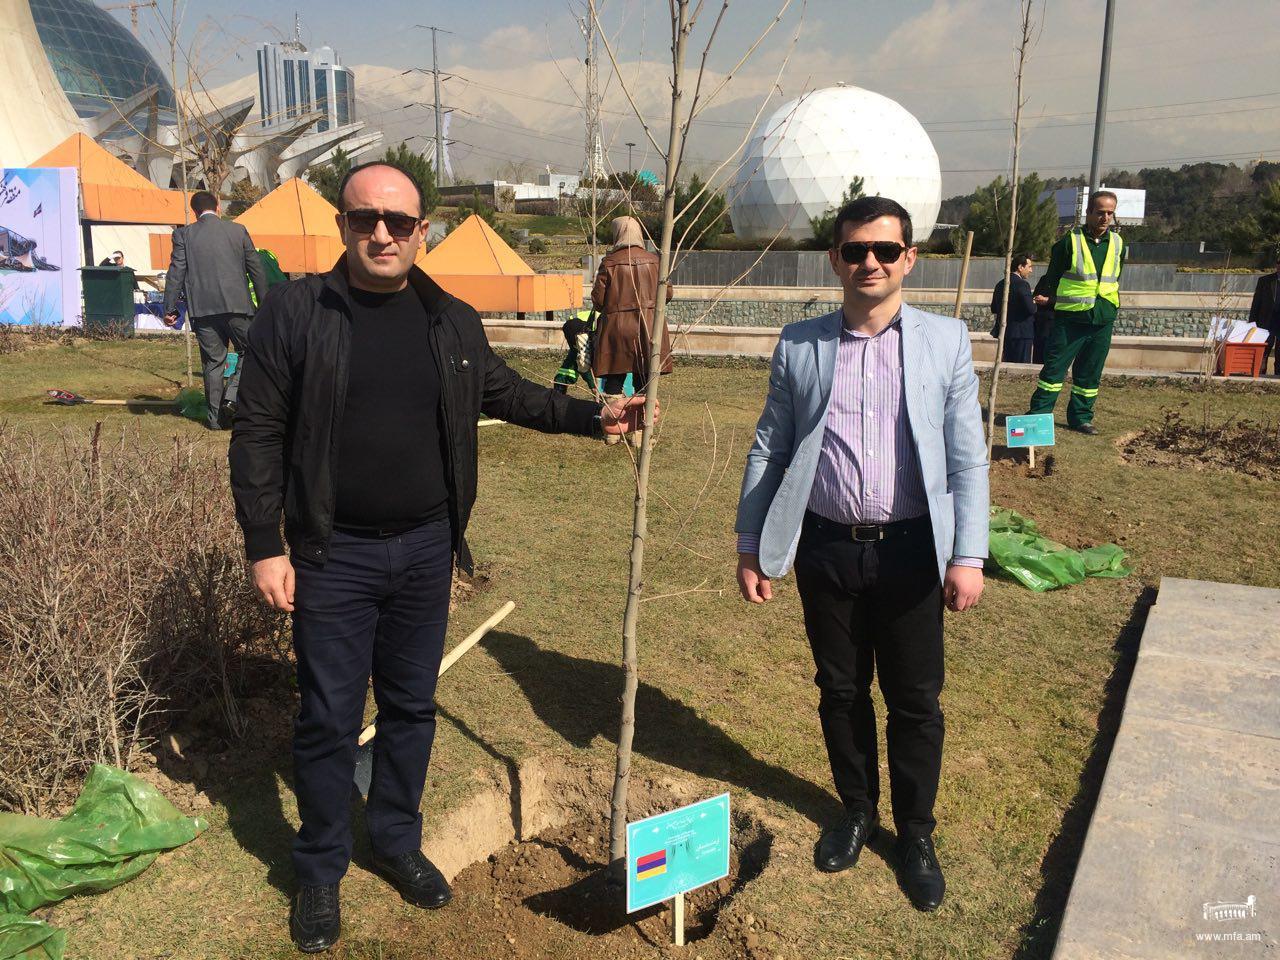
1082 347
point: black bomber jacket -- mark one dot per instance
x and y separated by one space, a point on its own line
284 444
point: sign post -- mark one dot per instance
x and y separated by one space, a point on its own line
1030 431
675 852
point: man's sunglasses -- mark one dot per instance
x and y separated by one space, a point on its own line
399 225
885 251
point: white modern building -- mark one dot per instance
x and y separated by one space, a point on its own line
294 81
801 159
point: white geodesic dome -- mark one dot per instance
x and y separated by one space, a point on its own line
799 162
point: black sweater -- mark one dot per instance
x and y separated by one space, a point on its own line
391 472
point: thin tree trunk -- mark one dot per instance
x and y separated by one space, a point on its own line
182 155
630 619
1023 46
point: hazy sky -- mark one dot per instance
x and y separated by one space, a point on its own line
1189 80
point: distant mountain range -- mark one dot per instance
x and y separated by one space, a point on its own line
511 123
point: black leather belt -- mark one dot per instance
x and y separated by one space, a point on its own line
866 532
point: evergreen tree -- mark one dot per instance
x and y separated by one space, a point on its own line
327 177
988 218
698 227
421 169
823 227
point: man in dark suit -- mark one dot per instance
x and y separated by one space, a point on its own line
1262 312
1020 338
212 263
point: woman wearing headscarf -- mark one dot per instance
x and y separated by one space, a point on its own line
624 297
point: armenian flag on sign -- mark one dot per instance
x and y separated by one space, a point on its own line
651 865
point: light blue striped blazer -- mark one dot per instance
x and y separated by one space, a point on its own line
946 422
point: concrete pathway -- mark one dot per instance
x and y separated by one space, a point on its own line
1182 857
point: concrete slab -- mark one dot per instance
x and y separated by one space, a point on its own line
1206 693
1222 622
1152 906
1182 857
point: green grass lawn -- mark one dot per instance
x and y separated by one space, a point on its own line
547 225
1034 687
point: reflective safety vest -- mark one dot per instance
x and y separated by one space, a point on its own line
1081 285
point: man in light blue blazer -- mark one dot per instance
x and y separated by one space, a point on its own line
868 476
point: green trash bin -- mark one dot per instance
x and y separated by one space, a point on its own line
108 301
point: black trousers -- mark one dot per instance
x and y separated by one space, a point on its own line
1018 349
379 606
870 606
1044 327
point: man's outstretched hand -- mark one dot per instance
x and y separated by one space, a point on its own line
627 417
754 586
273 579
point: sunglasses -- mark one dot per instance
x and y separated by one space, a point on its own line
885 251
399 225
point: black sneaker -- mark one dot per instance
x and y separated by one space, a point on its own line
416 878
1088 429
315 921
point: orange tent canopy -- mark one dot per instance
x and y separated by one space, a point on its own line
112 192
296 224
475 265
292 221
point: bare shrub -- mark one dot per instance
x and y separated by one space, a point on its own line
1239 445
123 597
15 339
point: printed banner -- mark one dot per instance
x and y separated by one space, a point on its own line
39 247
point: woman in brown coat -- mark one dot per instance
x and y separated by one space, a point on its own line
624 297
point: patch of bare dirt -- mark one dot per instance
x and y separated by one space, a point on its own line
1235 445
553 892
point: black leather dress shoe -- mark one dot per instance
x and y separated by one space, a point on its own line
416 878
1088 429
315 920
840 845
921 875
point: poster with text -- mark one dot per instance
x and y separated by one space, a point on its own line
39 247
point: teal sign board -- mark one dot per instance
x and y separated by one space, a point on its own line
675 852
1033 430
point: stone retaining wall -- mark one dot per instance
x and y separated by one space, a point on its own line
1145 322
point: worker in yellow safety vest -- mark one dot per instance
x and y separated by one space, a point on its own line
1084 275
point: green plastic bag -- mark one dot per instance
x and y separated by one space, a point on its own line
30 939
112 834
1018 548
192 404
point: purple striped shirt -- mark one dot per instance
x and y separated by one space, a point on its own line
868 470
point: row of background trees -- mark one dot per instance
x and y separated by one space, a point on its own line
1230 208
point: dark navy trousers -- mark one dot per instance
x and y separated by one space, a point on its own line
379 607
